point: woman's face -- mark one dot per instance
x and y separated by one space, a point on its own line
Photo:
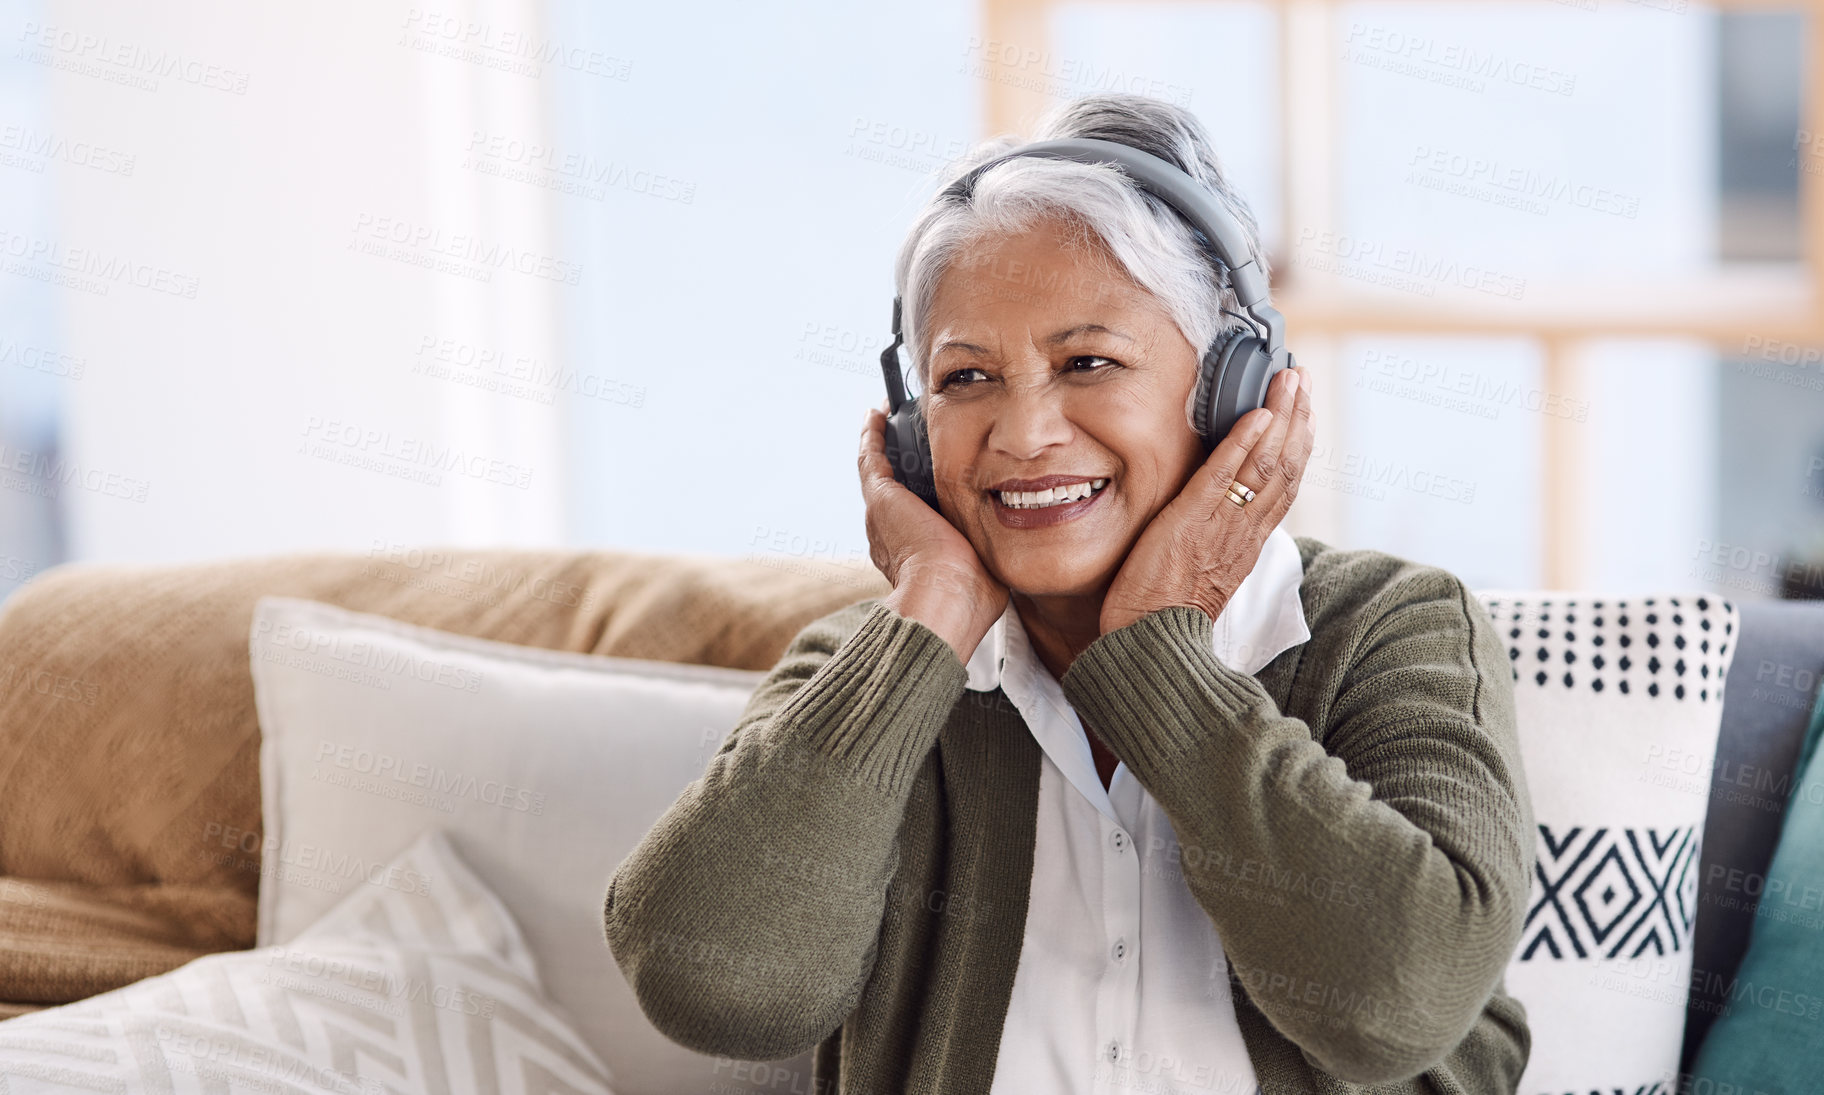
1048 361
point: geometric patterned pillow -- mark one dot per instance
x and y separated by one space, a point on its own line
1619 703
419 981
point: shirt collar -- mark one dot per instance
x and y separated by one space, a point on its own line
1264 618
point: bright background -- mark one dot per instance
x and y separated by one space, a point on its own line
246 307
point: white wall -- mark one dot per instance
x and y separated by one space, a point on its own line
256 198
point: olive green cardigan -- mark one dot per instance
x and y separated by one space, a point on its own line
851 872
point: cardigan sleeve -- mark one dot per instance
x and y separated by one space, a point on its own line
1368 881
747 918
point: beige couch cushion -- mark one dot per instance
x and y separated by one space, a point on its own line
129 743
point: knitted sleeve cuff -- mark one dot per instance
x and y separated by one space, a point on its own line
878 703
1154 689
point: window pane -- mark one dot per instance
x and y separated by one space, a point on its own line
1438 458
1535 141
1770 504
34 363
1759 60
1648 477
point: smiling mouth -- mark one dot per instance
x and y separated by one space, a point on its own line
1046 499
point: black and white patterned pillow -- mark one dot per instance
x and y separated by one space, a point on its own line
1619 702
1675 645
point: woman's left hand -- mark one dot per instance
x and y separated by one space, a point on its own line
1201 545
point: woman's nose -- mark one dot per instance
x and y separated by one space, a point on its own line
1030 419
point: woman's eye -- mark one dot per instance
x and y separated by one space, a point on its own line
952 376
1092 357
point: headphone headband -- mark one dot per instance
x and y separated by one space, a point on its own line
1165 181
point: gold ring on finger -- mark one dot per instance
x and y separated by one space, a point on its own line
1239 494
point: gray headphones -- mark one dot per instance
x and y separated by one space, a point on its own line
1236 368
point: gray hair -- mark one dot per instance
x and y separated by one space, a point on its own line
1154 246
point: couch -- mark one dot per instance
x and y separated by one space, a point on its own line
128 726
1771 687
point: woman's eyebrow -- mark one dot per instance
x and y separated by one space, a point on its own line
1050 340
957 344
1085 329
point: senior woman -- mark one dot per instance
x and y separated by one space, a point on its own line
1121 790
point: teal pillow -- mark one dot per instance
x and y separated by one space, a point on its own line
1769 1037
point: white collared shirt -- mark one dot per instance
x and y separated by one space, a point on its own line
1122 983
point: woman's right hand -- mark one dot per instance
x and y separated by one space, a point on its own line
937 577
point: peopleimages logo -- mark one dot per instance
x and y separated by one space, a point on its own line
41 359
378 981
430 242
1488 178
366 655
1043 71
469 39
496 153
442 781
43 473
1450 63
1342 253
92 54
1450 387
276 853
97 271
23 146
409 456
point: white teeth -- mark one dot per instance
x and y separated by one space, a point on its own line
1055 496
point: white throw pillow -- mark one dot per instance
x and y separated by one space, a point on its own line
419 985
546 767
1619 705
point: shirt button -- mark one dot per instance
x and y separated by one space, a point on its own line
1119 951
1114 1051
1119 839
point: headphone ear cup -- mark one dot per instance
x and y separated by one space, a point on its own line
924 484
1233 382
909 451
1206 403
